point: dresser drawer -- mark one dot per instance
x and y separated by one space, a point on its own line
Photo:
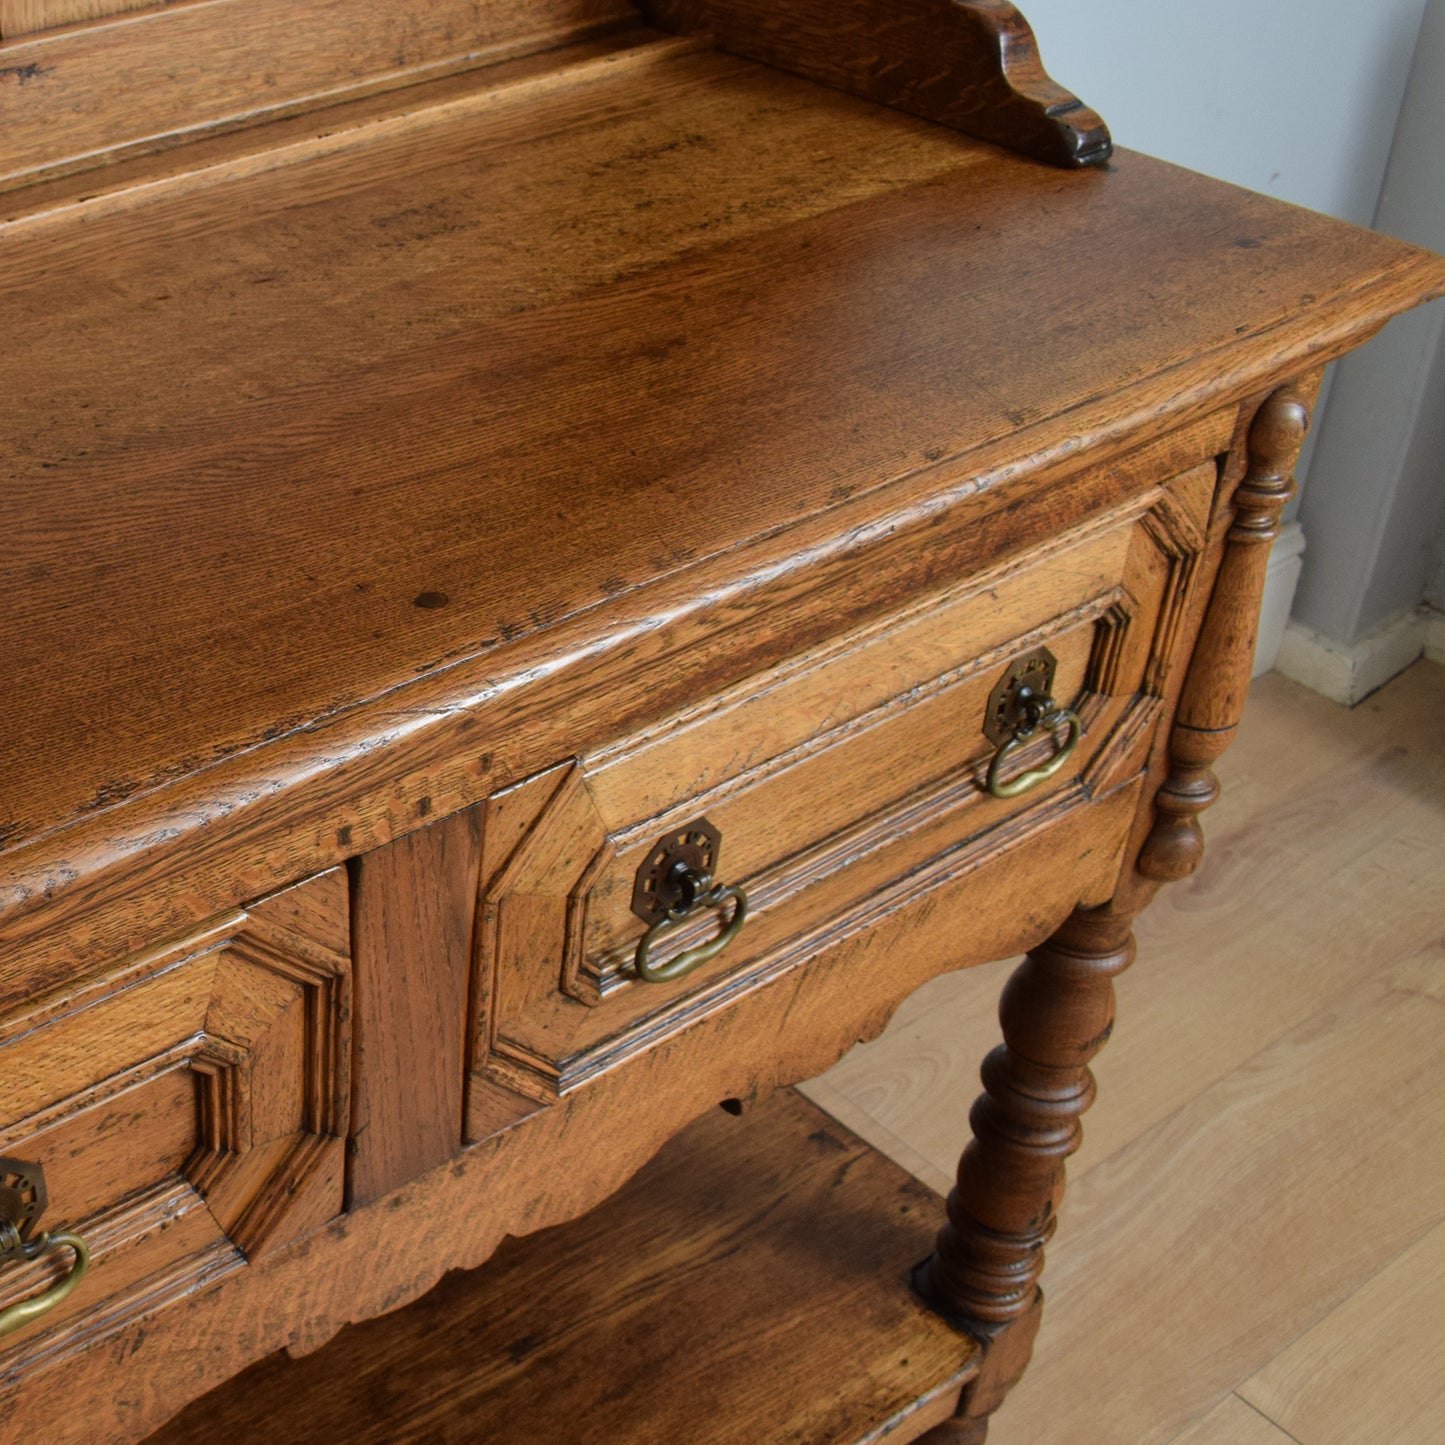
818 784
188 1108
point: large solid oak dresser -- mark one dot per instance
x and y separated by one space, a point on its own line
557 560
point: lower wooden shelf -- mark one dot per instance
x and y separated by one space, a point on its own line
749 1286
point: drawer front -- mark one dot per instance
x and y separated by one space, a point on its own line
830 779
188 1109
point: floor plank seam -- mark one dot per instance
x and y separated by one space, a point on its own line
1250 1405
1382 868
1365 1283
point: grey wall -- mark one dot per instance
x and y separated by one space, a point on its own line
1435 588
1301 99
1295 98
1374 509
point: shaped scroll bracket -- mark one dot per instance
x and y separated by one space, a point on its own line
972 65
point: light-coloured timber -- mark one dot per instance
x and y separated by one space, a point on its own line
559 561
1322 877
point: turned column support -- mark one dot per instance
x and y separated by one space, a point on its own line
1212 702
1057 1012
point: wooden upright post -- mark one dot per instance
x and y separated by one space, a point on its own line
1057 1010
1214 692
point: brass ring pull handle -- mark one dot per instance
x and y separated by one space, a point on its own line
26 1310
696 891
1034 713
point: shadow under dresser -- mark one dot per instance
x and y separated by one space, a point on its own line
558 560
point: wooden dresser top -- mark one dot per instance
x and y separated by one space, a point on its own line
310 448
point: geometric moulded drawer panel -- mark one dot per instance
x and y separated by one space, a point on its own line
838 777
189 1108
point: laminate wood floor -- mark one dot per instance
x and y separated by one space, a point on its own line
1252 1250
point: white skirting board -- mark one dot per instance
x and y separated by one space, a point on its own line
1285 561
1434 634
1349 672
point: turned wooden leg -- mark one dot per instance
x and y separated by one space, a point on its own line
1212 702
1058 1008
1057 1012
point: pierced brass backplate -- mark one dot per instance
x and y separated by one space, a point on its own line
1028 676
22 1202
665 880
22 1195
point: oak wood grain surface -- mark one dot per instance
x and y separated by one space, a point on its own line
1273 1061
329 375
189 1109
551 1164
1287 1170
413 904
889 708
1390 1332
82 96
745 1287
1349 828
1232 1422
523 426
971 65
24 17
127 181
